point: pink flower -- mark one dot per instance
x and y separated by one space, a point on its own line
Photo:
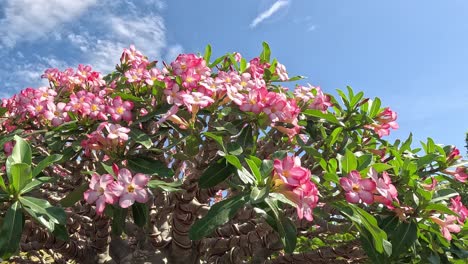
453 155
430 187
290 171
358 189
384 187
130 188
99 192
384 121
459 174
447 226
196 99
120 110
117 132
458 207
8 147
307 200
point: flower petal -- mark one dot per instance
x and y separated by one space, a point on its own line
125 176
127 200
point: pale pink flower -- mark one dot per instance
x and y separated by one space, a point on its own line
384 187
358 189
99 192
117 132
196 99
447 226
130 188
281 72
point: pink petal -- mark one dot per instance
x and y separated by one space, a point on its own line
100 205
368 184
354 176
140 180
352 197
127 200
366 197
141 196
94 181
454 228
117 189
91 196
125 176
105 180
346 184
446 233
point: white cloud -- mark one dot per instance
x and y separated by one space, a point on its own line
269 12
32 19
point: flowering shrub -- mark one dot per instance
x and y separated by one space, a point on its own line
219 161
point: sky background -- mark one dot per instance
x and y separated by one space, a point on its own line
411 54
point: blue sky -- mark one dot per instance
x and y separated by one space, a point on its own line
412 54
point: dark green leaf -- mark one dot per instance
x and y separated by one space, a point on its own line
216 173
246 139
215 137
258 195
11 230
444 194
74 196
140 137
140 214
266 168
45 163
149 166
219 214
118 220
364 161
40 206
234 148
440 208
255 169
286 229
348 162
60 232
403 237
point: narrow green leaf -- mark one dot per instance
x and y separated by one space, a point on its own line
73 197
216 173
266 53
45 163
149 166
348 162
165 186
35 183
364 161
40 206
403 237
444 194
233 160
219 214
215 137
207 54
11 230
255 169
326 116
118 220
286 229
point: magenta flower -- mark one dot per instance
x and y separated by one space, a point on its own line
460 174
358 189
458 207
384 187
447 226
307 200
290 171
120 110
130 188
99 192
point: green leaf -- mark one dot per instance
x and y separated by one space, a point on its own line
141 137
375 107
266 168
348 162
34 184
245 176
215 137
45 163
327 116
217 61
40 206
207 54
149 166
246 138
118 220
11 230
443 194
76 195
257 195
286 229
255 169
234 148
440 208
165 186
266 53
233 160
21 175
219 214
243 65
364 161
21 152
2 184
140 214
60 232
403 237
216 173
334 135
192 145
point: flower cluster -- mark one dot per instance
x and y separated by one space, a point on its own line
384 121
127 189
293 181
108 137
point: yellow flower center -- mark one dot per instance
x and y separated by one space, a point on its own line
120 110
356 188
130 188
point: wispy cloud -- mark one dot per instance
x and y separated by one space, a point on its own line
32 19
269 12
